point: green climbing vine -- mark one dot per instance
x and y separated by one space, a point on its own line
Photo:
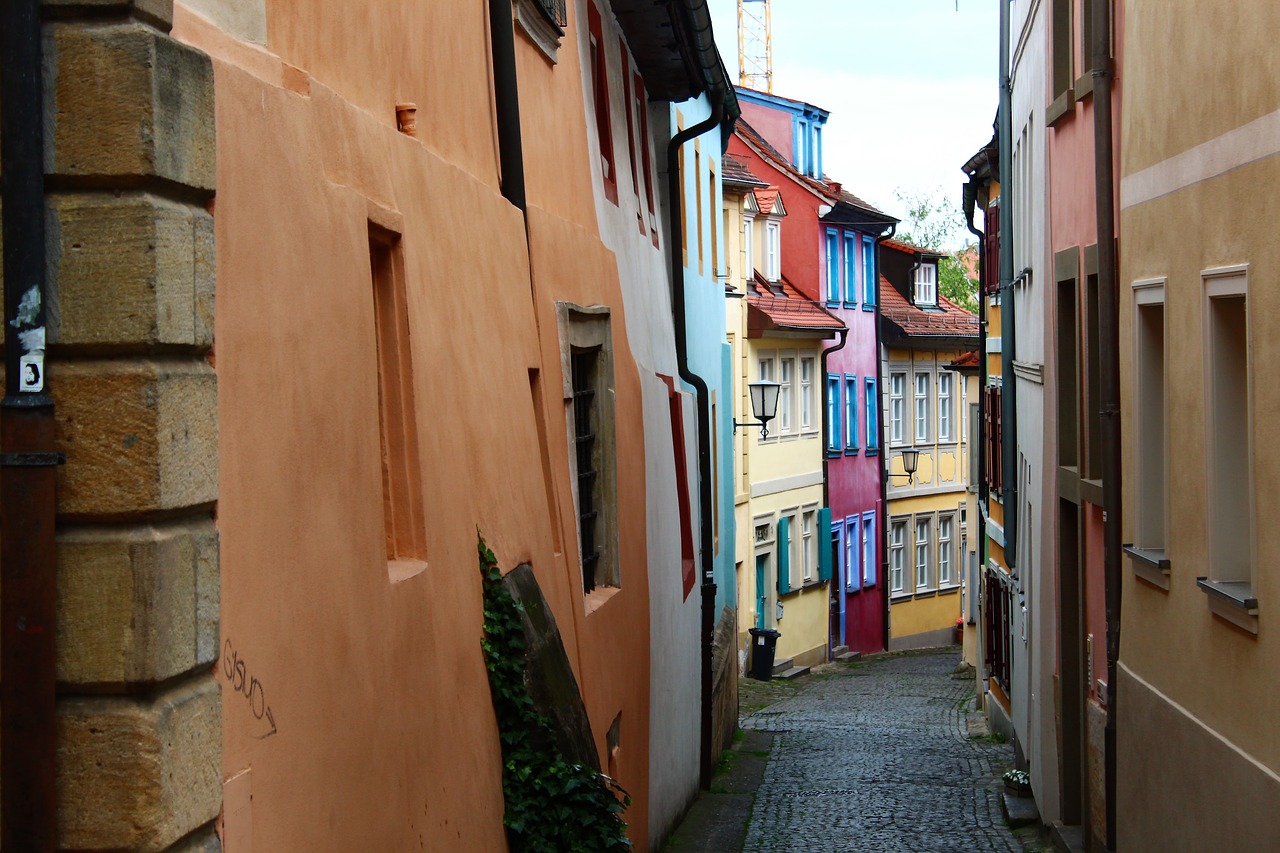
552 804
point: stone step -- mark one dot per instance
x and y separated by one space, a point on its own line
781 666
837 651
1020 811
793 672
849 657
1067 839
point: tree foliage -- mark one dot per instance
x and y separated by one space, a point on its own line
936 222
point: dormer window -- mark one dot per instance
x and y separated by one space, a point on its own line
927 284
773 250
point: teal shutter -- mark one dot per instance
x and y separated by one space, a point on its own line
824 544
784 556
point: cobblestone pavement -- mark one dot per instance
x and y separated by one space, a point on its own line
875 757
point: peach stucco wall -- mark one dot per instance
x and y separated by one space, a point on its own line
384 737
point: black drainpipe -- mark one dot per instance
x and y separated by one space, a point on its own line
1008 383
979 435
506 94
705 498
28 555
1109 355
883 544
826 462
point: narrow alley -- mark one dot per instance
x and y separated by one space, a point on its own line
884 754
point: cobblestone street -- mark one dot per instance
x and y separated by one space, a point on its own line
873 757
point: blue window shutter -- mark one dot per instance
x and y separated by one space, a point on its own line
784 556
824 544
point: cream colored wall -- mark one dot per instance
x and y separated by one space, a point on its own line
804 623
1205 688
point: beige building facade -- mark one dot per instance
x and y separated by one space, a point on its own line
1199 755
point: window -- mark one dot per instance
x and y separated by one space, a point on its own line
1068 348
713 220
773 250
749 259
697 193
923 531
944 407
922 407
850 413
627 100
1152 439
945 525
833 267
642 111
786 383
993 438
869 283
404 517
897 555
833 414
788 546
850 271
808 552
1230 480
544 21
868 549
873 416
802 147
600 97
897 390
1061 47
852 554
765 370
587 362
837 549
927 284
806 393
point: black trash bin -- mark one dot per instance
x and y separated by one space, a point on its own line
764 642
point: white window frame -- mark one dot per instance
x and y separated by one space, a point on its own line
749 268
923 546
808 520
897 406
764 368
926 281
945 420
946 555
786 393
773 249
897 555
850 544
806 392
921 406
868 549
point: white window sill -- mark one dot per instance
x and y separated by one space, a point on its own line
1233 601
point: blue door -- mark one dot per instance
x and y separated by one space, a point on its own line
762 591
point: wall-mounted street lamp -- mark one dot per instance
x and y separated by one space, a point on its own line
910 459
764 406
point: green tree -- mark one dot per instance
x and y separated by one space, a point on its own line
936 222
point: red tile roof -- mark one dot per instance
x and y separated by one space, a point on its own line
948 320
789 310
766 198
909 248
968 361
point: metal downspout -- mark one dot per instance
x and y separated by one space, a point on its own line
1008 383
28 555
982 420
506 95
883 545
705 498
1109 355
826 463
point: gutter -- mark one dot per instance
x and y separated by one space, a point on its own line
718 93
826 463
970 195
1109 355
883 545
28 498
1008 383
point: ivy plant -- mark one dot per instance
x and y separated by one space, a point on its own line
552 805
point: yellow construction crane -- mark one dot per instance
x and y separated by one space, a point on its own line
755 45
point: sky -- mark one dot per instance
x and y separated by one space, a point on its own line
911 85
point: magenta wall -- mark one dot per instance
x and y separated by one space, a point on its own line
854 479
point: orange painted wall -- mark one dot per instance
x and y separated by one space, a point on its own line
384 734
